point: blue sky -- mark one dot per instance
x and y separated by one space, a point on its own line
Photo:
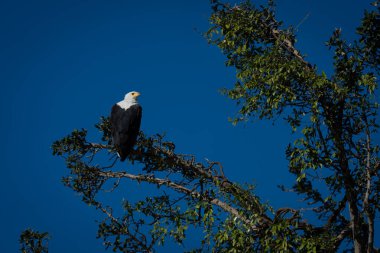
65 63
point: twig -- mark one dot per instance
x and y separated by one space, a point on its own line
115 185
110 216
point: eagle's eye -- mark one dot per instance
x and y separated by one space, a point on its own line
133 93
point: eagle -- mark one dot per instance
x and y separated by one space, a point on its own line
125 124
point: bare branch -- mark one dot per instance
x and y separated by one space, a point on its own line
288 46
182 189
342 235
369 213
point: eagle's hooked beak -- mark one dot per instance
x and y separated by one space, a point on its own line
136 94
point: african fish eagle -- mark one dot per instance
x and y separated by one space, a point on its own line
125 123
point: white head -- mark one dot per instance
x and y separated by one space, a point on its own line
129 99
131 96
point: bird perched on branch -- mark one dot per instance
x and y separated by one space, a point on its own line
125 124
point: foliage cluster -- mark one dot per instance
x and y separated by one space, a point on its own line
33 241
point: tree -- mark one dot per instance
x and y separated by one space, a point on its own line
34 241
335 117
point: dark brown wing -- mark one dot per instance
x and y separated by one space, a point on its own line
125 128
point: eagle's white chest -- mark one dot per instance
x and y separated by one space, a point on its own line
125 104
